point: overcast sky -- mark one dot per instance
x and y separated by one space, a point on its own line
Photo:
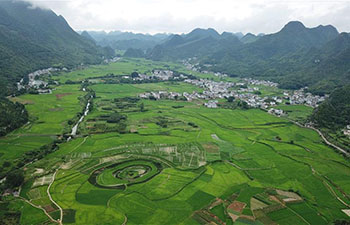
181 16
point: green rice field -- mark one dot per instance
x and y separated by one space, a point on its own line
171 161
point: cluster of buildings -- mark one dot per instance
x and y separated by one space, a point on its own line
347 131
213 90
187 63
220 90
300 97
212 104
160 95
217 90
277 112
115 59
35 82
260 82
162 75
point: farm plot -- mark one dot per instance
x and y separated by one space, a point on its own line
43 180
125 173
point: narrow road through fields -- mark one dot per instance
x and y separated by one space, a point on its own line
329 143
324 138
48 193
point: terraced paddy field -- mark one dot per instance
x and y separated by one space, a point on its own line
177 162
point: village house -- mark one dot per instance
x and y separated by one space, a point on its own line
277 112
211 104
347 131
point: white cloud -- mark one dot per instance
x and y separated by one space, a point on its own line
179 16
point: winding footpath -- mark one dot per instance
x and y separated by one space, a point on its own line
48 193
39 207
125 220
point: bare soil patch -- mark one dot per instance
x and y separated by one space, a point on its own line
256 204
59 96
346 211
22 101
39 171
237 206
56 109
43 180
112 158
49 208
290 196
217 202
275 199
210 148
233 217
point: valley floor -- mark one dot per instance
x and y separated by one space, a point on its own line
141 161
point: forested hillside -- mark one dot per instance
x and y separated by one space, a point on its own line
13 115
198 43
334 113
33 38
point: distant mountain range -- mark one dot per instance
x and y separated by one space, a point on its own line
124 40
295 57
199 43
33 38
119 40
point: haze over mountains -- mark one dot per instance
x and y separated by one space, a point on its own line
124 40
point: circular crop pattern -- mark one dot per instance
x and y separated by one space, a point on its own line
125 173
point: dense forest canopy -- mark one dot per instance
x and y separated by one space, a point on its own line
13 116
334 113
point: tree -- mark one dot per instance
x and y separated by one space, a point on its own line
6 164
142 107
257 92
135 74
230 99
14 179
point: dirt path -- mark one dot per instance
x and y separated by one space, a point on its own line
125 220
48 193
234 165
81 143
38 207
298 215
324 138
335 194
329 143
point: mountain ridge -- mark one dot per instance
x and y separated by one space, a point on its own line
34 38
284 56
